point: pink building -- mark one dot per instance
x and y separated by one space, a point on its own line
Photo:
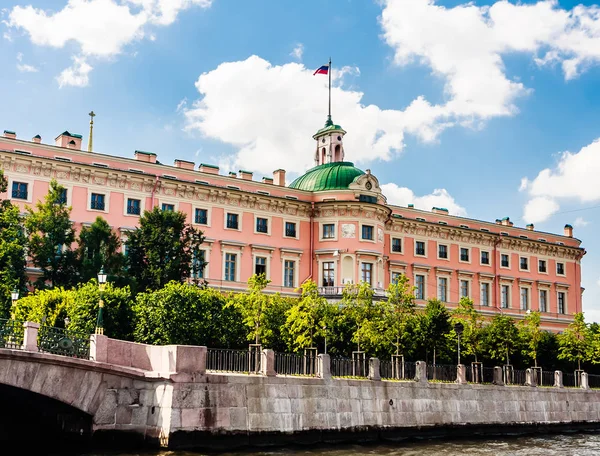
332 224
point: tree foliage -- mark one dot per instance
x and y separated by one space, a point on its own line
502 338
358 302
531 335
434 325
98 247
304 320
399 316
472 321
575 342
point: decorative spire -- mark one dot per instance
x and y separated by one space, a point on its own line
328 122
91 139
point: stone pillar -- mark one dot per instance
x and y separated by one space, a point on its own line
267 364
558 380
421 372
461 374
324 367
498 377
374 372
530 379
30 336
99 348
585 384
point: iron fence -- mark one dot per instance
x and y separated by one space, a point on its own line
11 334
397 370
547 378
344 367
296 364
226 360
594 380
442 372
572 380
60 341
487 374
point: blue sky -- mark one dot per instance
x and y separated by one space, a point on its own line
448 103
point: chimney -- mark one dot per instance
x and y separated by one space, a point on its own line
439 210
267 180
10 134
37 139
530 227
184 164
498 222
411 206
68 140
208 169
279 177
568 230
148 157
232 174
246 175
506 221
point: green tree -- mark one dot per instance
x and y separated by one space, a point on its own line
304 318
434 326
12 251
399 316
531 334
50 237
162 248
502 338
472 321
575 342
99 247
357 300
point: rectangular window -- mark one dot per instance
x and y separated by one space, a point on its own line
504 261
133 206
329 231
19 190
168 207
395 277
420 284
230 265
561 302
232 221
524 263
367 232
524 298
543 301
198 265
260 265
464 254
97 202
290 229
464 288
367 272
560 268
262 225
504 292
63 196
443 289
485 294
542 266
201 216
328 274
443 251
289 273
485 257
396 245
420 248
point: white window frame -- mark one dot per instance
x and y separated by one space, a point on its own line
489 263
540 291
126 198
335 231
238 255
269 224
395 271
206 263
208 215
521 288
508 296
460 260
335 272
489 293
447 279
447 251
424 241
528 265
267 256
564 268
401 239
240 218
360 272
460 281
296 263
360 228
565 304
295 222
509 260
547 266
102 191
425 277
29 183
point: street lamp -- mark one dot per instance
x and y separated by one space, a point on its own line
325 334
14 295
458 329
100 321
67 321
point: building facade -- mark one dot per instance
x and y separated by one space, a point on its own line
332 224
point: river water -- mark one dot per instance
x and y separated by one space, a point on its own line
563 445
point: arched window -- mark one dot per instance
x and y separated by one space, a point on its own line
338 153
323 154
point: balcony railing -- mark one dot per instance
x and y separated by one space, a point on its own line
338 291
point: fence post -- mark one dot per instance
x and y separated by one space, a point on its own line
461 374
374 371
324 368
530 379
30 337
267 364
585 384
498 377
99 348
421 372
558 379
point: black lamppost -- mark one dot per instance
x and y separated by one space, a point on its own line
458 329
100 321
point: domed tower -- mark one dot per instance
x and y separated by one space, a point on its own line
330 146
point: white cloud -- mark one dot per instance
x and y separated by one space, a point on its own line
101 28
181 105
580 222
440 197
77 75
23 67
298 51
539 209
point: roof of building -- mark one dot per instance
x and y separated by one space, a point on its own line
330 176
329 126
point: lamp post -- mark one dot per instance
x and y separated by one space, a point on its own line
100 321
14 295
458 329
325 334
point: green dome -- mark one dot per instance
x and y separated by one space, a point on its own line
330 176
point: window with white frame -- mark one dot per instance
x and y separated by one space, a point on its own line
420 286
97 202
367 232
420 248
504 296
505 260
396 245
542 266
201 216
464 254
19 190
524 263
134 206
328 274
290 229
561 308
560 269
443 289
262 225
232 221
289 273
524 298
443 251
485 294
464 288
230 266
366 273
260 265
168 207
198 264
543 300
329 231
485 257
395 276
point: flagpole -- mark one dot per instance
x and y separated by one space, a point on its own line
329 87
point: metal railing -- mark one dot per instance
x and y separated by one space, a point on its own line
296 364
11 334
572 380
547 378
441 372
60 341
344 367
226 360
594 381
397 370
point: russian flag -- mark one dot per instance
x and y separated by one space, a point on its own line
322 70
